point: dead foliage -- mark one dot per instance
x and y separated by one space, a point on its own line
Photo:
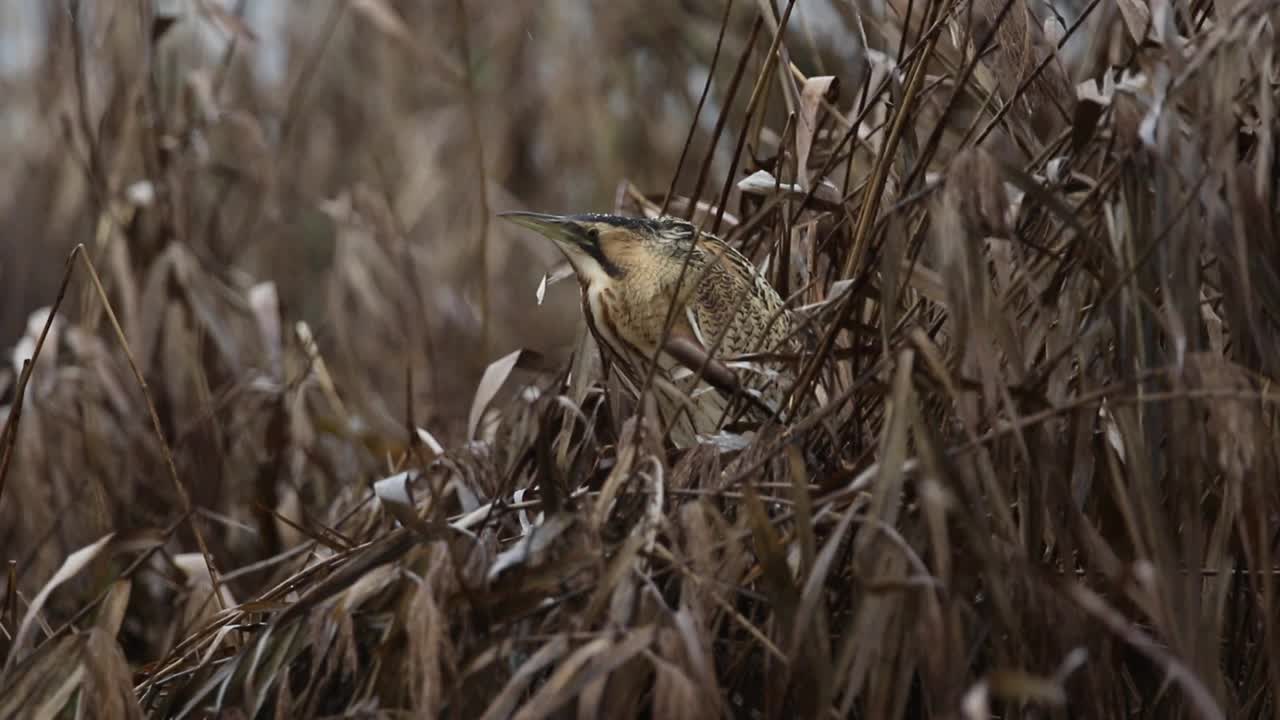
272 457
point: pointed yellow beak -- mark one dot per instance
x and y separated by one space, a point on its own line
562 230
579 242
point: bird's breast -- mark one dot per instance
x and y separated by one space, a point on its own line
600 304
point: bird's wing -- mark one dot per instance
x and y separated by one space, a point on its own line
686 347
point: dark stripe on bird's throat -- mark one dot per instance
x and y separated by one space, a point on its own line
591 244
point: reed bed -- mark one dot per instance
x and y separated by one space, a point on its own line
292 437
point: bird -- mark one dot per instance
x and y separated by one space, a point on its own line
659 288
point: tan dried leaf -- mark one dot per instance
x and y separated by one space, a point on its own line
1137 18
815 92
490 383
975 189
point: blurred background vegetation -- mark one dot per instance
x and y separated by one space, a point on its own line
275 110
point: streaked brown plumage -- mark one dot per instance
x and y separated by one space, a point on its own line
629 270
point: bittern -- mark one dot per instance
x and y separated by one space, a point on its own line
660 289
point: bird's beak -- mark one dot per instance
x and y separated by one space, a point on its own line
565 232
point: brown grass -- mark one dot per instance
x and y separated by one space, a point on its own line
297 442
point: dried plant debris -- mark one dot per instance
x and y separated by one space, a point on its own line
312 439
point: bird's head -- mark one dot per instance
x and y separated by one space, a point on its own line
603 248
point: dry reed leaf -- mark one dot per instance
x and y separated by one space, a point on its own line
976 703
925 281
617 586
561 272
217 681
111 614
264 302
25 348
262 675
1200 696
886 500
675 695
976 191
107 691
1137 18
1020 48
762 182
533 548
229 23
199 605
396 496
42 686
429 441
318 368
384 17
490 383
593 660
1026 687
1234 417
814 583
813 94
71 567
427 627
506 701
